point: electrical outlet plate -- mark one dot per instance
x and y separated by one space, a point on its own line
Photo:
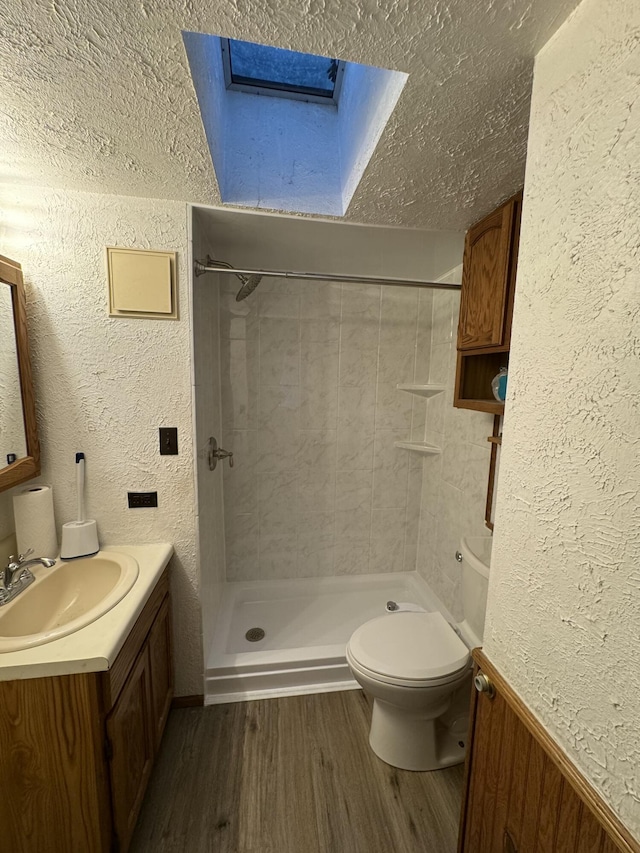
142 500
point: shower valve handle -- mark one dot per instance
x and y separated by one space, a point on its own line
225 454
214 453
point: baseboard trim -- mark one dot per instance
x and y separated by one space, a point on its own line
195 701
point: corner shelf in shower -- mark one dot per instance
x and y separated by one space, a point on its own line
418 447
421 390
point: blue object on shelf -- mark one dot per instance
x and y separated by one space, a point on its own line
499 385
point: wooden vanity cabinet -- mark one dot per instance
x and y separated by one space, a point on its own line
160 671
135 724
78 750
130 749
486 305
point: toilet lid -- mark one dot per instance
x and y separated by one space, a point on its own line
411 646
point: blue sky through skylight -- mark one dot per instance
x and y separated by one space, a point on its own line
262 64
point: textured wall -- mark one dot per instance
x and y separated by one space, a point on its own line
454 485
97 96
564 603
105 385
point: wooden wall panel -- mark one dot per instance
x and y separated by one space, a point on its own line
549 812
518 781
522 793
533 799
503 784
568 820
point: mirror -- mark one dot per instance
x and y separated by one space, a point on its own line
19 447
13 441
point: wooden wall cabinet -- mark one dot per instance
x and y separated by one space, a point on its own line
78 750
486 306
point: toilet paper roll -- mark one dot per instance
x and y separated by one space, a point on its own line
35 521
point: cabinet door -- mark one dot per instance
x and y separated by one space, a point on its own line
161 670
485 280
130 737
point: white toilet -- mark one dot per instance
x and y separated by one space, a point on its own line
417 670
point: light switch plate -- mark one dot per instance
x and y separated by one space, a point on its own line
168 441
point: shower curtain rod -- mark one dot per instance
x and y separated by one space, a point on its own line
201 269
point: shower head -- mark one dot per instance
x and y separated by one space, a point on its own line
249 284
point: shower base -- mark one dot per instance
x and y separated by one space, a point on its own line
306 623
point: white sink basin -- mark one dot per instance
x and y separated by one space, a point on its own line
65 598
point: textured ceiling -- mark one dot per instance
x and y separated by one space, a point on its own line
97 95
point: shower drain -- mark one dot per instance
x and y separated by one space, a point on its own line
254 635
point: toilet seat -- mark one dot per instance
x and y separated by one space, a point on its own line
416 683
408 649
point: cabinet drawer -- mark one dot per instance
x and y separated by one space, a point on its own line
114 679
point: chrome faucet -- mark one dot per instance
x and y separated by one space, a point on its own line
16 575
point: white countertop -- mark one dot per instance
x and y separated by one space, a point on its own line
94 647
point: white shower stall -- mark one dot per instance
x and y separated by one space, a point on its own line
351 480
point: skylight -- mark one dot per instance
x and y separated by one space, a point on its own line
262 70
300 151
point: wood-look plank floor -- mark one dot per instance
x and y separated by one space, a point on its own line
292 775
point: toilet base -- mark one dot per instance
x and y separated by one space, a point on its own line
411 741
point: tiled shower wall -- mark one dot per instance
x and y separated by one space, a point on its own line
454 486
311 412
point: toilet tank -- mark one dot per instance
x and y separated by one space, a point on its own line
476 559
